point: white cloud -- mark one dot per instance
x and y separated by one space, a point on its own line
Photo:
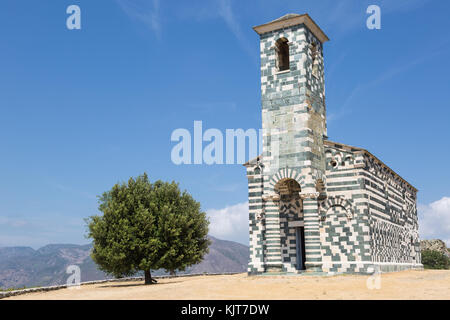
400 6
36 230
390 73
434 220
146 12
226 12
230 223
343 17
15 223
217 9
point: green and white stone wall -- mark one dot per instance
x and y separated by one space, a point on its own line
344 223
293 113
356 212
256 222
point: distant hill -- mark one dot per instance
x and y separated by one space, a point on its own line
223 256
24 266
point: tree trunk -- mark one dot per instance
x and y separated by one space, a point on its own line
148 277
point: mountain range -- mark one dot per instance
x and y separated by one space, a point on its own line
25 267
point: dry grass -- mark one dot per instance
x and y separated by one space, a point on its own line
427 284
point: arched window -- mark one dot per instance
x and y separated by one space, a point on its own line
315 60
282 50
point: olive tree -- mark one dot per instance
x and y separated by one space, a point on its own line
147 226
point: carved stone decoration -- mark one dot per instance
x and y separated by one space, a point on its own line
273 197
336 201
259 216
313 195
320 185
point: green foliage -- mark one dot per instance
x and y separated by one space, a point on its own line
147 226
432 259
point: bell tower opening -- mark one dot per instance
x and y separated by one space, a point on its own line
282 49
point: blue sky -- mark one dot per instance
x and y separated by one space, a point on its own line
83 109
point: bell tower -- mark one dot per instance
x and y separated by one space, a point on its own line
294 128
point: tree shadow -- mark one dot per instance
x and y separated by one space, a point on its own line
140 284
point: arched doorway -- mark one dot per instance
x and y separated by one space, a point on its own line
291 224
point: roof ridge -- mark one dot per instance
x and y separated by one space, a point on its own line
286 17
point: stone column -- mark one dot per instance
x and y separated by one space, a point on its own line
256 224
273 259
312 234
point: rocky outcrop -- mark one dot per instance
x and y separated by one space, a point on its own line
435 245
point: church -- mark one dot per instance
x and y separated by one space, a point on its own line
314 204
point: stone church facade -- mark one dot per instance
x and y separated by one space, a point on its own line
314 204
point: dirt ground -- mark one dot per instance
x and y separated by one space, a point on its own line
428 284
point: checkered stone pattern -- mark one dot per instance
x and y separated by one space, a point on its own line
342 242
345 198
256 217
384 211
391 243
293 108
393 217
293 114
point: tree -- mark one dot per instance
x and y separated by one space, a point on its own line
432 259
147 226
